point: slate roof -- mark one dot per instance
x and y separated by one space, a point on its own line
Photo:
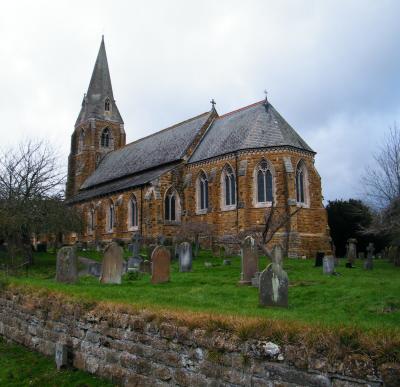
164 147
255 126
121 184
99 89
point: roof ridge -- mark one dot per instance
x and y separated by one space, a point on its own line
240 109
165 129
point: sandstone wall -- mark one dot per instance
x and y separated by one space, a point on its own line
306 233
138 349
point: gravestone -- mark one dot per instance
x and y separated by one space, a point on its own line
273 288
94 269
185 257
61 355
249 260
255 281
67 265
113 264
369 262
160 265
351 252
319 258
161 240
226 262
328 265
134 262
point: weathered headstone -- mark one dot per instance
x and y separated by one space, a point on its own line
255 281
67 265
226 262
328 265
61 355
185 257
319 258
273 288
134 262
369 262
351 252
160 268
249 255
113 264
135 245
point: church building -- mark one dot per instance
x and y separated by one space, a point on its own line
221 170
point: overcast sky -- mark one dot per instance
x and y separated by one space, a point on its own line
331 68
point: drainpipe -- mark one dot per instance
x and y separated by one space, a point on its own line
141 211
237 192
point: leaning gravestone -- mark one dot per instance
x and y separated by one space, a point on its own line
113 265
160 267
329 265
249 260
369 262
273 287
67 265
185 257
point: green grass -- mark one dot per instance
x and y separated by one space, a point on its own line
364 299
21 367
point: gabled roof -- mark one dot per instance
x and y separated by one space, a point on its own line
124 183
99 89
164 147
255 126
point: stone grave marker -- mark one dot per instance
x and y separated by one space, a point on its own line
67 265
274 285
185 257
160 267
329 265
226 262
351 252
369 262
319 258
61 355
113 265
249 257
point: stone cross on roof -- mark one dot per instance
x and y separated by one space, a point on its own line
213 103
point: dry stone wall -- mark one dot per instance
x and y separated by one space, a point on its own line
141 350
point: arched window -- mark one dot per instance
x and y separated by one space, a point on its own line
133 212
91 220
228 187
264 183
105 138
172 206
107 105
301 183
81 140
202 192
110 217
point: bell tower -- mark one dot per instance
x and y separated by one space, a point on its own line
99 128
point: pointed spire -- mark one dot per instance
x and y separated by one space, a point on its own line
99 92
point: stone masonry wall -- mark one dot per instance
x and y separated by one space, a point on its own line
138 349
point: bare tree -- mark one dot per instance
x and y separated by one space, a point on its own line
196 230
274 220
382 180
31 195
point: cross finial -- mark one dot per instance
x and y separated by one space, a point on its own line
266 97
213 103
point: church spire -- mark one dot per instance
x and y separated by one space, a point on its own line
99 101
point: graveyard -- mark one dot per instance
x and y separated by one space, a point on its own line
355 297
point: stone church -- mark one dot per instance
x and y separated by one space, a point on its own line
223 170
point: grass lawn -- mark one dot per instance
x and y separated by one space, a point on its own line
365 299
21 367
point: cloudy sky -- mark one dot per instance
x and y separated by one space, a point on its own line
331 68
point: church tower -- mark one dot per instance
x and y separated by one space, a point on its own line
99 128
